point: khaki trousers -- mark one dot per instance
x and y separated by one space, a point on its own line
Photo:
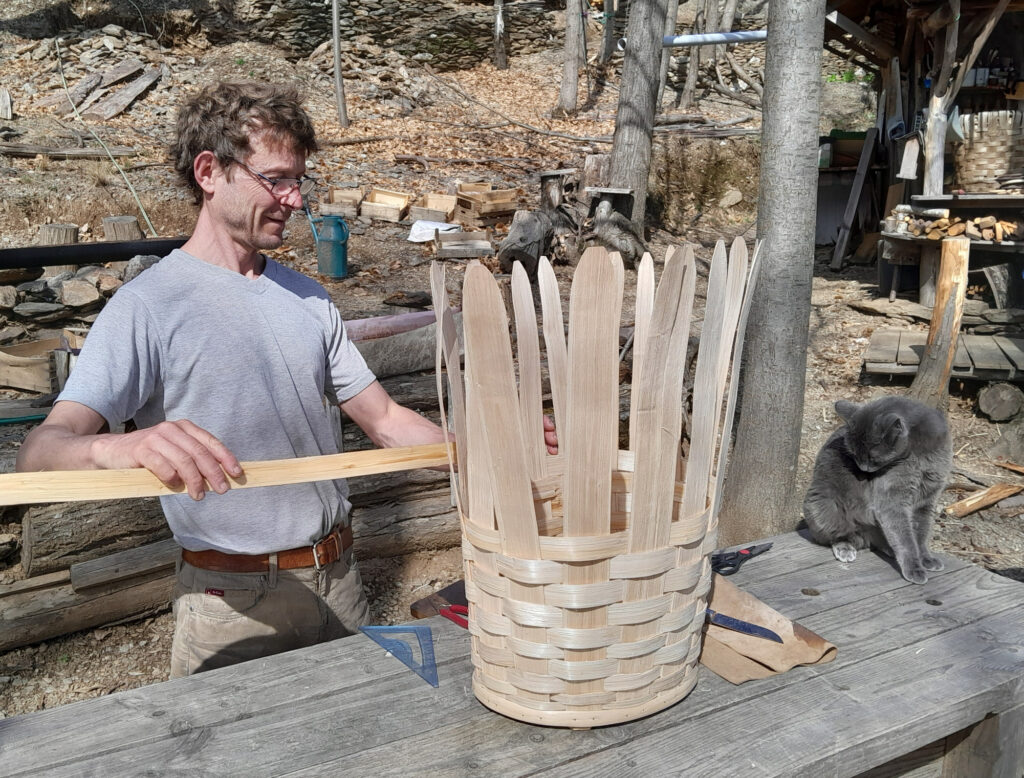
224 618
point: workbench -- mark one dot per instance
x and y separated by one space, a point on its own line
932 675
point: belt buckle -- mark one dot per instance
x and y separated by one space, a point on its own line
316 549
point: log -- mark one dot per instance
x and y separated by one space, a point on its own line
48 606
121 99
527 239
58 235
1000 402
931 384
56 536
159 557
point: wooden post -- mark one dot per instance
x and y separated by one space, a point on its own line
928 271
57 235
121 228
931 384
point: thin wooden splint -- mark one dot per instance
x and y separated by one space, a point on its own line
587 572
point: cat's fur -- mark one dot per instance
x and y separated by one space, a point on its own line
876 482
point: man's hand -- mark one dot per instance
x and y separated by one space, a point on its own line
550 436
176 452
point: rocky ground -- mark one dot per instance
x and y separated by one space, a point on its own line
474 125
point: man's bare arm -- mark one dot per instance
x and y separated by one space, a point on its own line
176 452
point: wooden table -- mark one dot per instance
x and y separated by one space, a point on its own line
918 668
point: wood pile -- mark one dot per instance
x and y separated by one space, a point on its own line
936 224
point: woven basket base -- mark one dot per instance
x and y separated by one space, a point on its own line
583 719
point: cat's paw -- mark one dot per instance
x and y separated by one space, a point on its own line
932 563
915 574
844 552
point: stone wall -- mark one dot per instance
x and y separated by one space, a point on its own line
447 34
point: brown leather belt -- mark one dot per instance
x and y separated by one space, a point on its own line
321 553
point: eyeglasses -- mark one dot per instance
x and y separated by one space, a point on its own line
280 187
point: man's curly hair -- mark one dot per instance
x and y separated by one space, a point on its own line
222 117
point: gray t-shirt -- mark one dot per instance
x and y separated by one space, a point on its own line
253 361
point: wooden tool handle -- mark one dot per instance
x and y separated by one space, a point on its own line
75 485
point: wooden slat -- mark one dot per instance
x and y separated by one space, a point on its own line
76 485
528 360
641 331
986 354
554 337
266 716
449 350
911 348
1013 348
492 374
961 357
883 347
121 99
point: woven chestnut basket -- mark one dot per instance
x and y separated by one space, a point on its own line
993 146
587 571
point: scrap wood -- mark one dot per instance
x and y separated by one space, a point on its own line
983 499
1010 465
121 99
32 150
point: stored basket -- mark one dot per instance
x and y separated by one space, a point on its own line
993 146
587 572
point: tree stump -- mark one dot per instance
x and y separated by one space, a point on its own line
121 228
1000 402
58 235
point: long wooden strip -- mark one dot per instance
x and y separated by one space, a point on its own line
653 477
641 328
492 374
448 349
734 384
554 337
592 381
76 485
528 358
702 443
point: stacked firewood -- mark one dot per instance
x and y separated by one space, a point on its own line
938 224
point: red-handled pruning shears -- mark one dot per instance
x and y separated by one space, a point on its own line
457 613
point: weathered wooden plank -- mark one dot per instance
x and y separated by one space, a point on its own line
33 150
986 354
151 558
911 348
1013 348
267 715
122 98
883 347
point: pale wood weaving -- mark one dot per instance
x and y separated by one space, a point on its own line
993 146
587 572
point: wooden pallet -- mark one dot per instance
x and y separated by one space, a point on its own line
981 357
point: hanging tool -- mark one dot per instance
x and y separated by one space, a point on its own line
426 668
728 562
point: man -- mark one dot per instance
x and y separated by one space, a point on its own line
221 354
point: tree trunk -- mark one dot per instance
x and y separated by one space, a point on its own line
934 146
608 36
760 496
686 100
500 36
571 63
339 82
671 13
931 384
634 123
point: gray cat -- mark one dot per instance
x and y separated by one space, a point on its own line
876 482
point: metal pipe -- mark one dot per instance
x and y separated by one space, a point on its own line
707 39
86 253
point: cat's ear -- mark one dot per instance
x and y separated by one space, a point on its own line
846 409
895 429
